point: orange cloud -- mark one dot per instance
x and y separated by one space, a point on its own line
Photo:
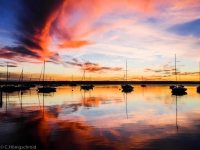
69 23
185 3
74 44
78 17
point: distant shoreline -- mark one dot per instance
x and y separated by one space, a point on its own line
100 82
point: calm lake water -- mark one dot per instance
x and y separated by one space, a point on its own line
102 118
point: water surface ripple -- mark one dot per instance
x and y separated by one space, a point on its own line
102 118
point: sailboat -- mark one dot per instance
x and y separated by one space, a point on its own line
126 87
22 86
90 83
45 88
198 87
172 86
73 84
178 89
8 88
30 84
86 87
143 85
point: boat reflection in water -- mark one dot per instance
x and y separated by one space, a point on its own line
97 119
87 87
72 84
46 89
179 93
198 89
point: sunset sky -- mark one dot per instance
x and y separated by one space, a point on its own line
99 36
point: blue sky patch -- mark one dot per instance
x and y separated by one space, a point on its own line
191 28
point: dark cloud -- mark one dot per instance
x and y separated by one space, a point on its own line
22 51
188 73
34 21
56 59
35 17
170 72
8 65
18 54
89 66
165 69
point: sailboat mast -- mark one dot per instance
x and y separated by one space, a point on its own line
41 74
124 76
84 76
7 75
199 71
126 70
22 75
175 70
43 71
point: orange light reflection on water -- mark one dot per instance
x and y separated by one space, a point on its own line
103 117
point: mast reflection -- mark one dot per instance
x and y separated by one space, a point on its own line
125 92
125 99
176 95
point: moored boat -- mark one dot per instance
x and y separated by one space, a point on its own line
45 88
127 87
7 87
143 85
172 86
72 84
86 86
178 89
22 87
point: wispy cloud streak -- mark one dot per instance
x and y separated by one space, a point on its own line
90 67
